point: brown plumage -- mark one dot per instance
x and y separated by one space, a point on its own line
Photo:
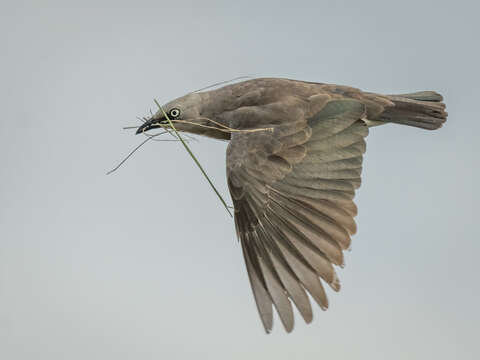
293 183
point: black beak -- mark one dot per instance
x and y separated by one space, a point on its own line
149 125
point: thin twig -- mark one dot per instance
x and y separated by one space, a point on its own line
169 132
154 135
133 151
225 128
222 82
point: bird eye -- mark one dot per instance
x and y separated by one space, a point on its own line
174 113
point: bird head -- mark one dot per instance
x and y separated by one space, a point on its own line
189 113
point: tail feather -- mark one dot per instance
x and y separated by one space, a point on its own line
423 109
423 96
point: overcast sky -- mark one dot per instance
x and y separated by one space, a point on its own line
144 263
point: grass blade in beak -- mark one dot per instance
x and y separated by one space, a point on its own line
193 157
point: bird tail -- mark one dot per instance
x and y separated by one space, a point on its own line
423 109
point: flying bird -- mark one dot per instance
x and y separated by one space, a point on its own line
294 161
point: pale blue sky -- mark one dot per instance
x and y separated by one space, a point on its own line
144 263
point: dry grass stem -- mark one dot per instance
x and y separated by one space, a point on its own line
193 157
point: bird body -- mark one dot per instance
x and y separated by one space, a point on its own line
294 162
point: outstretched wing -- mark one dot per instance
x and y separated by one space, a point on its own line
292 189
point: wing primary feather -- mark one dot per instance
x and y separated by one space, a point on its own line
304 252
262 298
319 219
288 278
317 237
304 272
273 284
343 215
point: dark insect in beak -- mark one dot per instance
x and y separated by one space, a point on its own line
151 124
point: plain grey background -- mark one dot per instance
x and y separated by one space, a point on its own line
144 263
